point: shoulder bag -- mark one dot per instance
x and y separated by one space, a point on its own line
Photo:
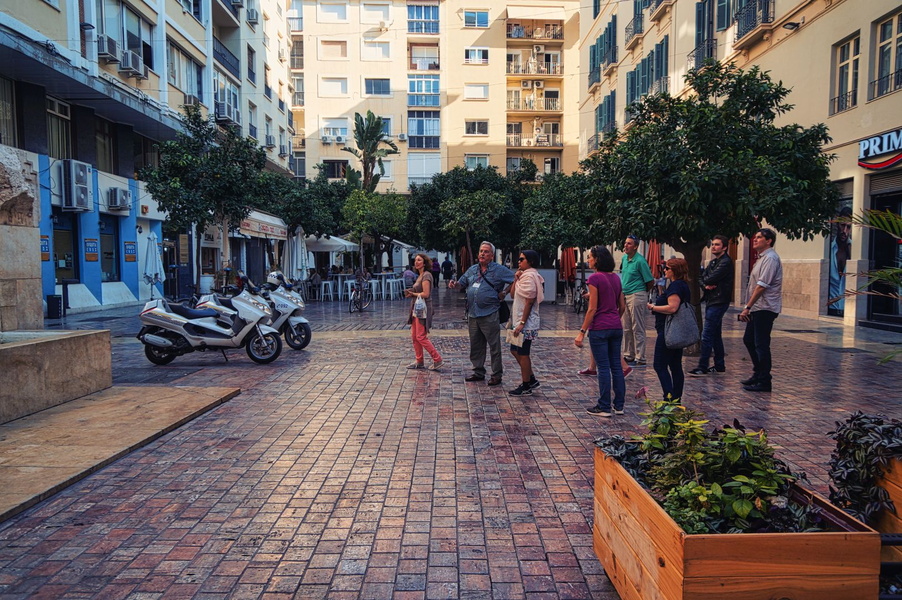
681 328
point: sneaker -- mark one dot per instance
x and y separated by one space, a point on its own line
628 358
640 361
533 383
521 390
588 372
715 370
598 411
699 372
437 365
627 371
617 412
416 365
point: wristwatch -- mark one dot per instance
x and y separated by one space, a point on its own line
582 331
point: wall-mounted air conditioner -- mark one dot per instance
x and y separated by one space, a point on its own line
119 199
539 84
270 141
327 139
339 139
402 137
237 3
283 56
526 85
538 49
191 100
107 49
226 113
253 17
78 185
131 64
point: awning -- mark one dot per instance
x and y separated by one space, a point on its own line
262 225
542 13
332 244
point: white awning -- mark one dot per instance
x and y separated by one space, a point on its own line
541 13
332 244
262 225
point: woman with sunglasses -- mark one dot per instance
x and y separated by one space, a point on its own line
528 293
668 362
605 330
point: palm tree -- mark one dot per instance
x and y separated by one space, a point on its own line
371 148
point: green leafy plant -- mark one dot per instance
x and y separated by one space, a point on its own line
865 445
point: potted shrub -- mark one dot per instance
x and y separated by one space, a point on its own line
686 511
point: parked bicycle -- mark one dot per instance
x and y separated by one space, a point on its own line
580 301
361 296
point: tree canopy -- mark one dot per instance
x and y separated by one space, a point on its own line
376 215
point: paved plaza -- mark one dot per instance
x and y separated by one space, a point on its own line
337 473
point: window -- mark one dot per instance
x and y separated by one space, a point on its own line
282 145
476 56
476 18
333 49
252 120
335 127
295 15
724 16
423 90
333 87
476 91
375 12
7 113
298 163
298 84
184 73
513 164
889 56
422 18
846 72
145 151
267 125
476 128
423 58
373 50
267 79
59 129
109 242
388 174
297 54
225 91
476 160
377 87
138 36
105 141
251 65
386 125
424 129
335 169
193 7
332 12
421 166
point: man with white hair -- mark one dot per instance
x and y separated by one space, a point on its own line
487 284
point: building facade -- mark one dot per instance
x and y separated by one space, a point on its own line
843 61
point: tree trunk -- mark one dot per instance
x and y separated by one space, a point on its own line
473 257
198 261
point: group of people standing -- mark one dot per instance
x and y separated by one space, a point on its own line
615 321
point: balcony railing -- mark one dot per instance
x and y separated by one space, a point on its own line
844 102
476 60
297 99
660 86
296 23
537 104
752 15
607 127
707 49
422 26
226 58
609 58
546 32
886 84
252 131
539 140
535 68
422 99
594 76
634 29
654 12
297 61
424 64
592 144
298 142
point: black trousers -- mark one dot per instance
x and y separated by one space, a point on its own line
757 341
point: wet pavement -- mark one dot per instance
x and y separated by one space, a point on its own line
337 473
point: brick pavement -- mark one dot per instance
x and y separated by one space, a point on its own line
339 474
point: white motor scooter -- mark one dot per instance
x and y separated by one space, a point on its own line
287 306
172 330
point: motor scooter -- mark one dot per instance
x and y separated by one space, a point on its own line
171 330
287 305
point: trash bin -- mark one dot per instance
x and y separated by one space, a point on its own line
54 306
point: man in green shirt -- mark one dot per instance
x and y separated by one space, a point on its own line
637 282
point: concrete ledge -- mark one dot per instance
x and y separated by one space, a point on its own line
43 369
48 451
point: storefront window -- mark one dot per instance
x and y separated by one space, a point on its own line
65 234
109 248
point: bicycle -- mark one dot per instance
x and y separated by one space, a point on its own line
580 302
361 296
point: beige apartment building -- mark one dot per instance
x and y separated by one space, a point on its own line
843 61
457 83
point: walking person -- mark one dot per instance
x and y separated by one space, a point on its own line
668 362
604 327
528 291
486 283
637 282
717 281
762 308
419 326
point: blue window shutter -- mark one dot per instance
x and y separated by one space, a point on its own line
723 14
700 23
666 53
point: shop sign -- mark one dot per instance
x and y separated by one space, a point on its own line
878 146
131 252
45 248
92 249
267 230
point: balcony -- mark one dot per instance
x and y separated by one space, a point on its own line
660 86
592 143
844 102
752 22
295 24
422 26
531 67
886 84
226 58
424 64
534 104
609 61
634 31
594 77
540 140
546 32
422 99
297 99
657 9
298 142
707 49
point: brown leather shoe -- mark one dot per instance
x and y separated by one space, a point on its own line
474 377
494 380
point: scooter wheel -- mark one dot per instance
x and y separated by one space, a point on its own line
298 337
265 349
158 356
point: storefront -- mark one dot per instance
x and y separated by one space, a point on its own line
255 247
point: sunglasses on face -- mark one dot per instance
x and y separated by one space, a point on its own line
521 259
667 268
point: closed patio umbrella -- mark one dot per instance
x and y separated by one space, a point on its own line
154 272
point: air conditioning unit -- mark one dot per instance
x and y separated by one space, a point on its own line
327 139
283 150
253 17
270 141
339 139
226 113
131 64
191 100
78 185
283 56
526 85
107 49
119 199
402 137
539 84
237 3
538 49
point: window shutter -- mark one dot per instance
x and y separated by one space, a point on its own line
700 29
723 14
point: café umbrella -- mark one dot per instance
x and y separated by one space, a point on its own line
153 264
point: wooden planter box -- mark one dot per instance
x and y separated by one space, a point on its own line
889 522
647 556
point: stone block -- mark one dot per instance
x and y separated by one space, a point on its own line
29 304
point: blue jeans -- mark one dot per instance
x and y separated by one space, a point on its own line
668 365
712 337
605 345
757 342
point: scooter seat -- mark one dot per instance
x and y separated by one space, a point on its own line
226 302
190 313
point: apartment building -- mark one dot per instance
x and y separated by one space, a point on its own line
456 83
88 87
843 61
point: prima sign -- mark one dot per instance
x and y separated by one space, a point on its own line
878 145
